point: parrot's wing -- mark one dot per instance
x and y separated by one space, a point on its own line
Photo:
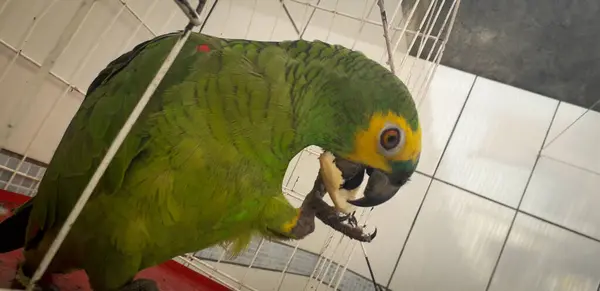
109 101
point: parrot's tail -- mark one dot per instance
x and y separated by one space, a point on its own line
14 229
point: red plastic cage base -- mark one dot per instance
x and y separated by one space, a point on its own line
170 276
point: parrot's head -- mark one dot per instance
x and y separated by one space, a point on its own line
374 128
387 149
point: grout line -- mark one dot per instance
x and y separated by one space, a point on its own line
570 164
512 208
412 226
591 108
559 226
467 190
512 223
584 169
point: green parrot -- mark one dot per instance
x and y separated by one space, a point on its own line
204 163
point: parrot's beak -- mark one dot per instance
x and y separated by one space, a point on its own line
343 178
381 187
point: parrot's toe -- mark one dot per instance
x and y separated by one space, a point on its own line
141 285
45 287
369 237
351 218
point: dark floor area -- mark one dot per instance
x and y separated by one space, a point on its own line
549 47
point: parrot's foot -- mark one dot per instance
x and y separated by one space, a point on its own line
140 285
22 279
331 217
350 218
365 237
314 206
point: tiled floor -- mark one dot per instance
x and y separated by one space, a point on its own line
472 231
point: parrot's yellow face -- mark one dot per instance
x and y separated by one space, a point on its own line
388 143
388 150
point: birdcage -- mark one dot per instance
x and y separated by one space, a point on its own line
52 49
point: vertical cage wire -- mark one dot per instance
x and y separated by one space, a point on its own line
321 258
415 36
345 268
345 254
213 267
330 259
141 22
428 28
363 21
69 86
172 15
262 241
364 217
446 26
395 28
41 74
32 89
68 89
287 265
105 162
332 22
139 19
403 28
21 44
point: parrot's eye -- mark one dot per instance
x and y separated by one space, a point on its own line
391 140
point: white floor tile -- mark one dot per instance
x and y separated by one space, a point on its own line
495 144
565 195
438 112
578 145
455 243
542 257
393 220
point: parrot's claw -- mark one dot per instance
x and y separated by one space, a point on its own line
330 216
141 285
368 237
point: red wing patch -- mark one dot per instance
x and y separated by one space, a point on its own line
203 48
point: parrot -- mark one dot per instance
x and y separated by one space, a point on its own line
204 163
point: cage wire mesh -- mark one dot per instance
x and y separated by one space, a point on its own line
51 50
